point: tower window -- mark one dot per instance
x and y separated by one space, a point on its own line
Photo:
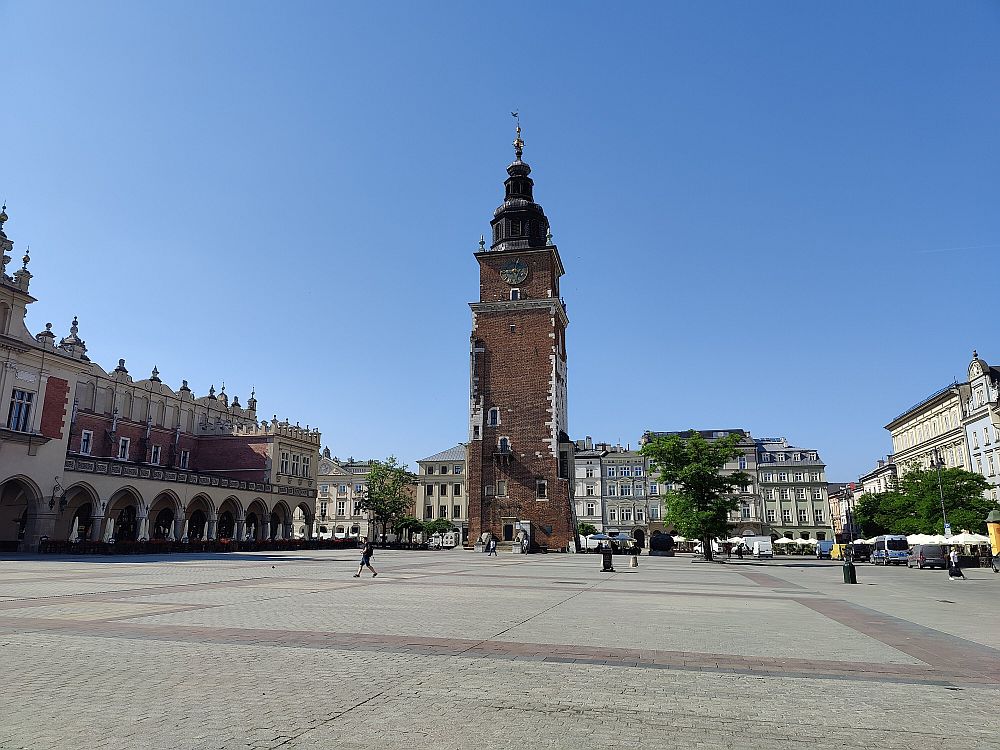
493 419
541 489
515 294
503 445
513 329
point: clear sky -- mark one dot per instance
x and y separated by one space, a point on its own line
781 216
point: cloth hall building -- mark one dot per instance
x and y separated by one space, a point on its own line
91 454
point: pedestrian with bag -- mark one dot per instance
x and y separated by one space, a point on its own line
954 571
366 559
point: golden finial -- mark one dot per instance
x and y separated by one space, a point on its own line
518 143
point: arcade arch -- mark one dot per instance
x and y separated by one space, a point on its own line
123 515
20 504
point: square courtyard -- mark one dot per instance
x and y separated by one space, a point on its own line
455 649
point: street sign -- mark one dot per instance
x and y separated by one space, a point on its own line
947 529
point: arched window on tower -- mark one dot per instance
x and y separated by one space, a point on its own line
503 445
493 417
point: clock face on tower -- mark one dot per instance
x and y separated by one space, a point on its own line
514 272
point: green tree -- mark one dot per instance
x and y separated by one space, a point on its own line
586 529
386 496
438 526
914 507
408 526
700 505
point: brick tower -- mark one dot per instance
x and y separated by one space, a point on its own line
520 455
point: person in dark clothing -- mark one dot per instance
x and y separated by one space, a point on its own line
954 569
366 559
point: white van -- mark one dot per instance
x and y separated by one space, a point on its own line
762 548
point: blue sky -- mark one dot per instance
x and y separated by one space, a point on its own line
778 216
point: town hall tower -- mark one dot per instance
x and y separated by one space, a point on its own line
520 455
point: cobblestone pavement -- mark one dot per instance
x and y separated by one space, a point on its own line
456 650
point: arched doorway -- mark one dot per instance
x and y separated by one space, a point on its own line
229 513
227 525
126 524
198 525
255 520
163 524
200 513
163 515
81 523
123 516
640 537
18 509
75 521
280 517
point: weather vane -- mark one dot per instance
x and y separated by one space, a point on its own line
518 143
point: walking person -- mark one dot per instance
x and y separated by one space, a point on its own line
492 548
366 559
954 571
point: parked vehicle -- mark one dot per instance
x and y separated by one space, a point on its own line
890 549
762 547
927 556
824 549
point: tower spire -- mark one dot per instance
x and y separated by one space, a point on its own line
518 143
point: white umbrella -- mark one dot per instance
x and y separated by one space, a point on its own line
918 539
803 542
735 540
784 540
680 538
966 538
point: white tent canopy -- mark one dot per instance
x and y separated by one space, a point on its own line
784 540
966 538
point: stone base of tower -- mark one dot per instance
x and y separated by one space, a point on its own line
550 523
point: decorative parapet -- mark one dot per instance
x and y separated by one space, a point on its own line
264 429
138 471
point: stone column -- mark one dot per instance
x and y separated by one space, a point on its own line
310 520
239 530
96 527
184 529
210 529
265 528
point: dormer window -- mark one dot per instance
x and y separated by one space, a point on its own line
515 294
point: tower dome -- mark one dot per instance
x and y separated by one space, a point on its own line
519 223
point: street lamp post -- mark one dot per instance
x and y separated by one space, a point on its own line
938 462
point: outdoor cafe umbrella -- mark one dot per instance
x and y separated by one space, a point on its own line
966 538
805 542
784 540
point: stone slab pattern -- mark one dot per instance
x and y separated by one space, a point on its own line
452 649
